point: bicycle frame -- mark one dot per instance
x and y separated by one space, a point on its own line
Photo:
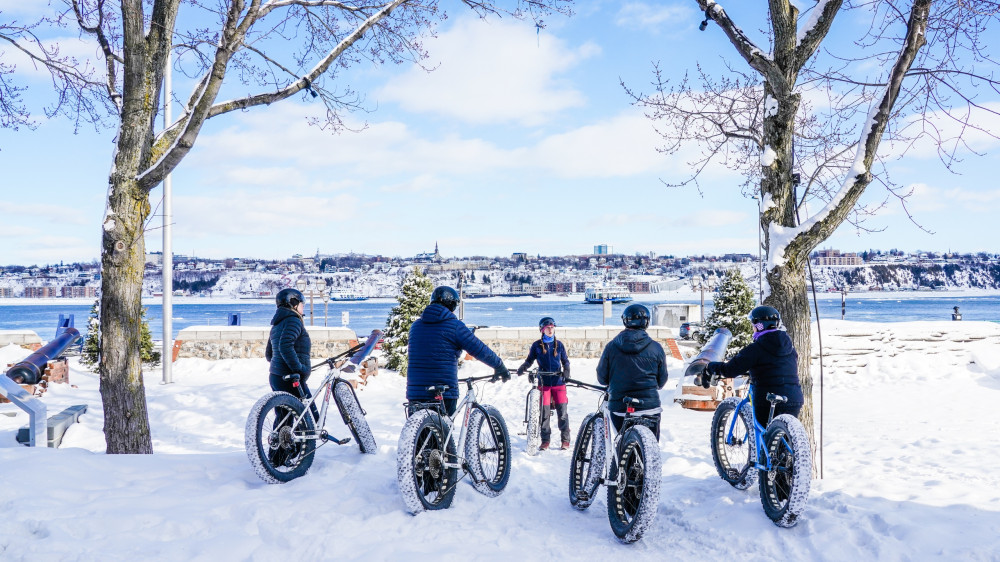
758 431
464 408
346 362
611 437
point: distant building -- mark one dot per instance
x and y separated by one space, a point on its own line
42 292
78 292
601 250
6 292
834 257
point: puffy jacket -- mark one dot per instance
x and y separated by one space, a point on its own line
632 365
551 358
772 363
437 340
289 345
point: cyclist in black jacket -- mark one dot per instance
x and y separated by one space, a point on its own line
771 361
633 365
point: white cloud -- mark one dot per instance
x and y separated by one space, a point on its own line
654 17
272 213
42 212
495 71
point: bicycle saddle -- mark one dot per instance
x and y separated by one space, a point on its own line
775 398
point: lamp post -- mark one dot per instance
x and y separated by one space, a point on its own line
701 283
317 289
321 287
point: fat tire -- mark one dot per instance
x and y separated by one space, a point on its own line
635 499
488 441
734 462
354 416
586 469
533 412
424 483
784 490
265 446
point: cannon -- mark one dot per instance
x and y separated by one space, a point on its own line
31 369
714 350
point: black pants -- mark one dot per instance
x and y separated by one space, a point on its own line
279 384
450 404
762 408
562 420
617 421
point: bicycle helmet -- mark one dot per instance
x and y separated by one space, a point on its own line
764 318
289 298
546 321
636 316
446 297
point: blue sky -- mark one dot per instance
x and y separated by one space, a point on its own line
516 142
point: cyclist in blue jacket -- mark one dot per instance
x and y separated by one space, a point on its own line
771 361
550 354
437 340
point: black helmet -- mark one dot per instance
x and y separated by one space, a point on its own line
546 321
446 297
764 318
636 316
289 298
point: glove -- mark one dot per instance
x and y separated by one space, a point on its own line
501 372
712 372
521 371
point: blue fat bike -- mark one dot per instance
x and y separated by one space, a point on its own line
778 456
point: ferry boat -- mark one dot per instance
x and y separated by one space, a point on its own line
616 293
346 296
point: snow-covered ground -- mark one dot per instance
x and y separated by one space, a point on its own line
911 440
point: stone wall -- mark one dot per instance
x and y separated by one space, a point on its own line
243 342
24 338
237 342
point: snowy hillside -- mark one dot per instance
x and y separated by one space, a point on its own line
910 439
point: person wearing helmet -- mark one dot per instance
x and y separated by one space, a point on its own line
437 340
770 360
288 347
633 365
550 354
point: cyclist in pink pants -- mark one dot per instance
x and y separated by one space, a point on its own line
550 354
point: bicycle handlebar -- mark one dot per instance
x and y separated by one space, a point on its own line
588 386
367 347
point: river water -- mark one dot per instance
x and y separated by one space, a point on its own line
41 315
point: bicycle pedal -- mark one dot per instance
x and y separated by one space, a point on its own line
327 437
582 495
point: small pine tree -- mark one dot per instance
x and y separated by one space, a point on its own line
733 303
92 343
147 349
91 354
413 298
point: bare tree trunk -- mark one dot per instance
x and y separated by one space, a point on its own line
788 295
123 253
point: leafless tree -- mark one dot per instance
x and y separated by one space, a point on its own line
278 47
812 118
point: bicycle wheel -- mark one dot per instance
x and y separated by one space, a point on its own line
276 449
487 451
785 488
587 467
354 416
635 497
734 457
533 413
424 480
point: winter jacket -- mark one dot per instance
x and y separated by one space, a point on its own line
437 340
632 365
551 358
772 363
289 345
